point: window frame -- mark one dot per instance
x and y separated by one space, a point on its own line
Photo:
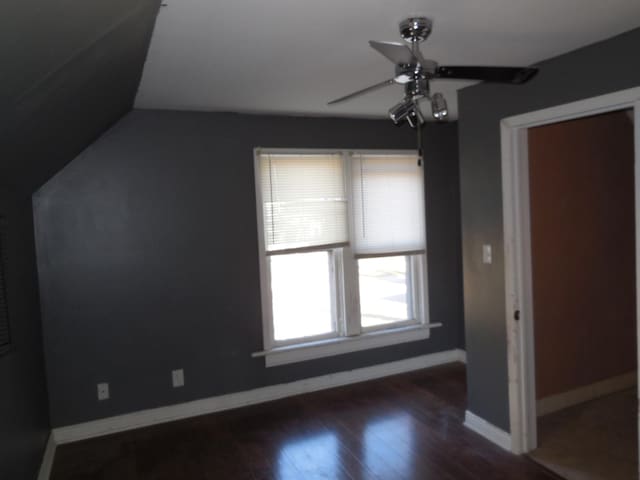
349 335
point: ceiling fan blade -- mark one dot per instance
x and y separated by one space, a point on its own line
396 52
513 75
428 65
363 91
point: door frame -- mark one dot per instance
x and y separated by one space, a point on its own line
517 248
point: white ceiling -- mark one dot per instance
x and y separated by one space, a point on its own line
292 56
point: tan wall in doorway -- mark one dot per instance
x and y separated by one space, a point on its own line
583 246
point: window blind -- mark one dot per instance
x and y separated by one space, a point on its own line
388 205
5 338
304 201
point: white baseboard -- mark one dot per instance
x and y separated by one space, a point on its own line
47 459
487 430
145 418
560 401
463 356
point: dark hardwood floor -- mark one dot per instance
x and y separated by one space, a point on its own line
403 427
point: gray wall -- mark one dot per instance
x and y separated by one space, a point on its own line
70 70
148 258
24 422
601 68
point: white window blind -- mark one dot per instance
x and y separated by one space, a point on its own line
304 201
388 205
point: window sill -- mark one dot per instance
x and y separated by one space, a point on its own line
338 346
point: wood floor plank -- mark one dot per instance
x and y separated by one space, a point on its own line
404 427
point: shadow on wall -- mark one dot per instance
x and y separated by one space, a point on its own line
24 420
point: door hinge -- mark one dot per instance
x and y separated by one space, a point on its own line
516 315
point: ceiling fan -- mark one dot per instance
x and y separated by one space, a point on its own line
414 72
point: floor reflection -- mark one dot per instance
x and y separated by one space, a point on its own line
389 446
313 456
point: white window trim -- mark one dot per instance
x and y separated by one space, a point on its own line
346 298
301 352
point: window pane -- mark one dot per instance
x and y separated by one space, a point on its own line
301 295
384 295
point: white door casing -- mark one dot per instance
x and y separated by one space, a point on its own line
517 248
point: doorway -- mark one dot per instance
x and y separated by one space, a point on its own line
518 249
583 281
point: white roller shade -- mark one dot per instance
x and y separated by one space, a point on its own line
304 201
388 204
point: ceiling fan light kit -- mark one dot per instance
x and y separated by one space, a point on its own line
439 106
400 112
414 72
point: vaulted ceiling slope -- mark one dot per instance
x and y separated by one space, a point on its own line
70 69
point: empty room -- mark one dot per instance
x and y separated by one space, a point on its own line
328 240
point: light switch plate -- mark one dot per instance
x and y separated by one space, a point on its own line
487 256
177 378
103 391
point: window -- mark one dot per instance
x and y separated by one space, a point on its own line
342 251
5 338
384 291
301 282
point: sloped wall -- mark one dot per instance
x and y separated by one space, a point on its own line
70 69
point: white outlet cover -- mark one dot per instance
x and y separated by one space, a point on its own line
487 256
177 378
103 391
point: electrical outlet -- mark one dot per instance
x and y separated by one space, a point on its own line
487 256
177 377
103 391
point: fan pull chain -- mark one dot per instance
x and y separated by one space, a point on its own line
419 131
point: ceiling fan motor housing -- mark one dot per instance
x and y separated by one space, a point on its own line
417 89
415 29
